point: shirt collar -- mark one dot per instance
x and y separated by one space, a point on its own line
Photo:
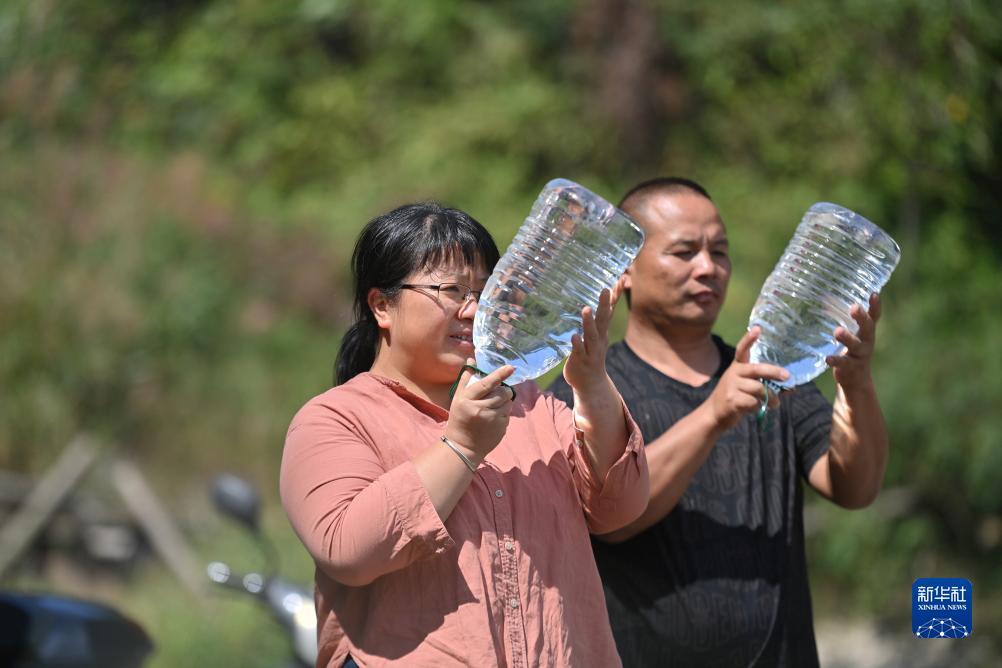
428 408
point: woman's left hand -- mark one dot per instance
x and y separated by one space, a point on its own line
585 368
598 408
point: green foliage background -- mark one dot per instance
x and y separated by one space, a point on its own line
181 184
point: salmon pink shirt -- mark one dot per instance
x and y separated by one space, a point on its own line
507 580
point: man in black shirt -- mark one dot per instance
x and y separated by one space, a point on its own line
714 572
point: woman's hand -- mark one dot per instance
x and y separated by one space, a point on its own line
585 368
478 415
598 407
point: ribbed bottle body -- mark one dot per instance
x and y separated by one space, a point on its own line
572 245
835 259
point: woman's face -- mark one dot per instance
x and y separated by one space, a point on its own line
430 332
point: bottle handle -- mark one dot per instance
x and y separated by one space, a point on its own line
452 390
770 387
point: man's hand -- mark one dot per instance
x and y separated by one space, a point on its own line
852 368
740 390
851 472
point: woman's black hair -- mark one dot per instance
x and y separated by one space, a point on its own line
391 247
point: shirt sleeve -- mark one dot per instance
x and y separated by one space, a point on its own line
811 417
621 497
357 520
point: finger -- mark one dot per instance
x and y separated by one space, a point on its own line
743 350
617 291
603 316
589 329
876 308
748 402
768 371
465 378
484 386
847 339
577 346
753 388
498 399
863 321
840 361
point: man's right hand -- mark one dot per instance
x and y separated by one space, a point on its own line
740 390
478 415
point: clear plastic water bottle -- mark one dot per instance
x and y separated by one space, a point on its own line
572 245
835 259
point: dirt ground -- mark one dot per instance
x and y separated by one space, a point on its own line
853 643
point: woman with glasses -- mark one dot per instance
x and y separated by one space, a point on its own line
452 529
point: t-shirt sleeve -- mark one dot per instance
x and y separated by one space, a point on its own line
811 416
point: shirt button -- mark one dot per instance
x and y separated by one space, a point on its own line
513 602
498 493
509 545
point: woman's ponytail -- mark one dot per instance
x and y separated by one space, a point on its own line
358 349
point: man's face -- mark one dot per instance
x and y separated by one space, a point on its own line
680 275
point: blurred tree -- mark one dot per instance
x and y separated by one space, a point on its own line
182 183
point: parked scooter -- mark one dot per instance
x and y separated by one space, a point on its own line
291 604
48 631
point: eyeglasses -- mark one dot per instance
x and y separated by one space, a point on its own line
453 293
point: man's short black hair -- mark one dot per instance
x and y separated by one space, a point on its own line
638 194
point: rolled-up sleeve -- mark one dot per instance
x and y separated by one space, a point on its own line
358 520
619 498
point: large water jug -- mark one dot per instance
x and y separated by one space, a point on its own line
571 246
835 259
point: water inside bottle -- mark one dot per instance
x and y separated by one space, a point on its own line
571 246
836 259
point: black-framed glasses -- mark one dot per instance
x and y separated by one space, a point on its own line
453 293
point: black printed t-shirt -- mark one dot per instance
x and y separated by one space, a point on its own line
722 579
